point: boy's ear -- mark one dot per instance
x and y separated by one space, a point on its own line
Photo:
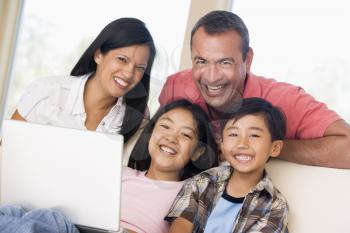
221 145
276 148
97 56
198 153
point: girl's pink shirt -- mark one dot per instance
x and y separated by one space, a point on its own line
145 202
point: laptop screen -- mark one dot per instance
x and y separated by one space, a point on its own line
75 171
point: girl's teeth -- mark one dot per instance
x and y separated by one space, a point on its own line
167 150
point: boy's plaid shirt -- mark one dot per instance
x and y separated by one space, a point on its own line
264 208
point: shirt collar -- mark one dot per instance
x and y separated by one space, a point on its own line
75 101
224 174
252 86
120 104
219 174
265 184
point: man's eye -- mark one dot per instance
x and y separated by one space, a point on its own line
255 136
232 135
199 62
225 62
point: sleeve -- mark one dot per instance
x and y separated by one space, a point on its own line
274 221
308 117
185 204
31 99
167 92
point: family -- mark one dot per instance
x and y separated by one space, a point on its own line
199 162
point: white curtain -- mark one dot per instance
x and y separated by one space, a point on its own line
10 12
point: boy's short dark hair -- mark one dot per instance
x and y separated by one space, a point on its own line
274 117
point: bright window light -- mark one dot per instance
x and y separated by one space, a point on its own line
305 43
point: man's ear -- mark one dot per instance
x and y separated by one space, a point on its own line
98 56
276 148
249 59
198 153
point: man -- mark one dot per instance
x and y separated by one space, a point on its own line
220 76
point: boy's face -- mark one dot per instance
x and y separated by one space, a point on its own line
247 144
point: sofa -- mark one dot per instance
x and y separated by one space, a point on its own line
318 197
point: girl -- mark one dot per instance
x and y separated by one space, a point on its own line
109 88
176 144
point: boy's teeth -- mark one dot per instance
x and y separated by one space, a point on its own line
121 82
243 157
167 150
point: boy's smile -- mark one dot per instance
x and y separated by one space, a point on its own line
243 158
247 144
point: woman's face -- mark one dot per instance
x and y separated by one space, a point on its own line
120 70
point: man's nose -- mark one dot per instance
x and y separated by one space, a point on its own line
213 73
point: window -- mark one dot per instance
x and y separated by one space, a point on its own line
54 34
305 43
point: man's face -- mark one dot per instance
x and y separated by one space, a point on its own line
218 67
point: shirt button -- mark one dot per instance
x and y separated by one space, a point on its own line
103 123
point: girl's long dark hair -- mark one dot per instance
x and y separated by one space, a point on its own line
140 158
120 33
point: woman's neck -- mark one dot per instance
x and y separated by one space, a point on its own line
96 103
95 99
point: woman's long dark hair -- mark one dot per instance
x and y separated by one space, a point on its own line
140 158
120 33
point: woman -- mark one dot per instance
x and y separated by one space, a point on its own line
109 92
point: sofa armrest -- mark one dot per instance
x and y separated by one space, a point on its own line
318 197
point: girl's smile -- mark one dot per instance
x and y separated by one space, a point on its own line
173 142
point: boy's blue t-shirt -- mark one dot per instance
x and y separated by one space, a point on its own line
224 214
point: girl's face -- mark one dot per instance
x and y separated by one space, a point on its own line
119 70
173 143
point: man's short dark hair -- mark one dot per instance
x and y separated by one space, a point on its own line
273 116
220 21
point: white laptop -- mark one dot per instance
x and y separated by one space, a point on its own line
75 171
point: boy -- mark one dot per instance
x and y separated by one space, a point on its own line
239 197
